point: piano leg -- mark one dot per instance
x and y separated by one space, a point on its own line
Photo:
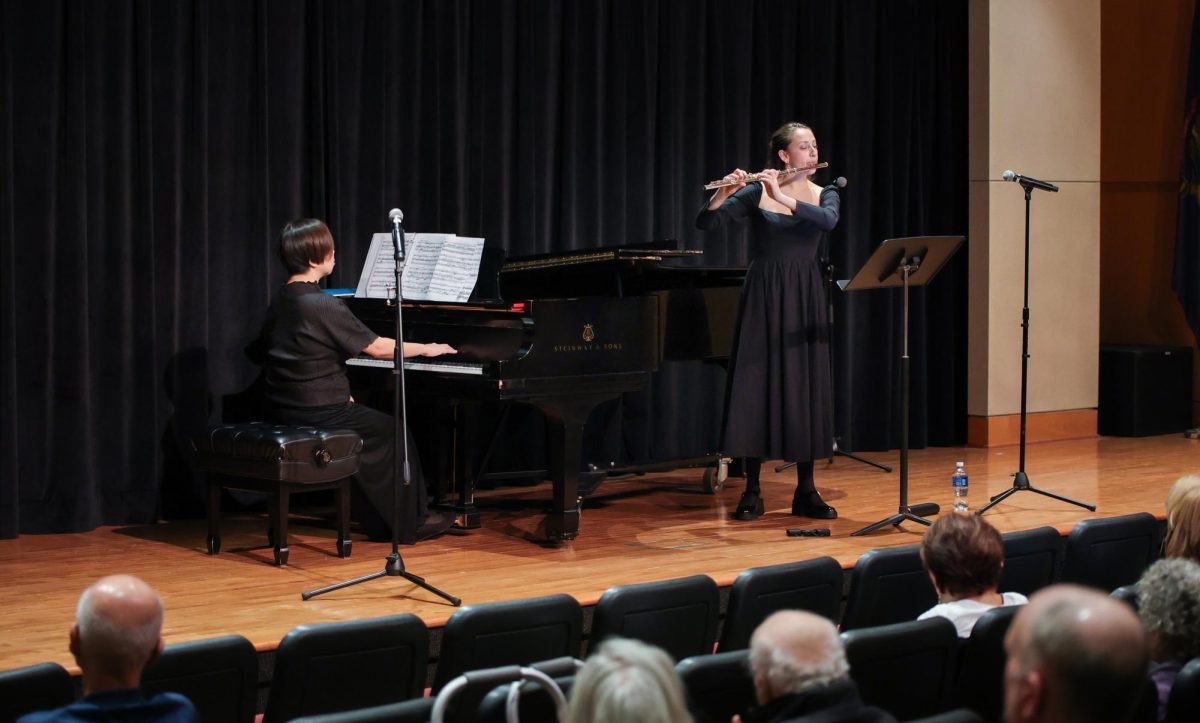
466 514
566 419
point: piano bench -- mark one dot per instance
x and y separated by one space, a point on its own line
277 460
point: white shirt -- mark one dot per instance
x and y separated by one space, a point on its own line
964 613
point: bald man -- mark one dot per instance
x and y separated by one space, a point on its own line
117 632
1074 654
801 674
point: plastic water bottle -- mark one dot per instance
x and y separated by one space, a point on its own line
959 480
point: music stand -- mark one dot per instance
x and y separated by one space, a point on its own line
902 262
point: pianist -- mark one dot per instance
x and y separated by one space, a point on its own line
307 337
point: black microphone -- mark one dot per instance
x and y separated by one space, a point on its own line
1027 181
840 182
397 217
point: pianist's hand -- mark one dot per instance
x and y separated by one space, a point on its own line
435 350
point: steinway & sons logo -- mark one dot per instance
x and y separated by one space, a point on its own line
589 342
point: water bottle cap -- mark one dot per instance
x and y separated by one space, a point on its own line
959 463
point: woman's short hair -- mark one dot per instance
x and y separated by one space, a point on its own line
1183 519
780 140
627 680
1169 606
964 554
302 241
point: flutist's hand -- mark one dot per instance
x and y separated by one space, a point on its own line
725 192
770 182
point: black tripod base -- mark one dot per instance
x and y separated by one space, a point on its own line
863 460
837 452
394 567
904 514
1021 484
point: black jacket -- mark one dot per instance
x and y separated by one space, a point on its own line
835 703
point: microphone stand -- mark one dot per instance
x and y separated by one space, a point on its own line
394 565
1020 479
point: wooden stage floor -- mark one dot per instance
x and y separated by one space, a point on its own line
655 527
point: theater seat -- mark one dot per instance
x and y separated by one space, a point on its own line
906 668
45 686
812 585
1031 560
1127 594
517 632
718 686
679 616
481 695
348 665
1113 551
219 676
410 711
1184 702
888 586
535 702
981 669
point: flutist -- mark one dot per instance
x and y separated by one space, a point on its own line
777 395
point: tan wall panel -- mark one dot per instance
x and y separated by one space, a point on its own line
1044 99
1035 77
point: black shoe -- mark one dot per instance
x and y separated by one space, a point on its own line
436 522
750 507
810 504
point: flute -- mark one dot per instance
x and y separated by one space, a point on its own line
758 176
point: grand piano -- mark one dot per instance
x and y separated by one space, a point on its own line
563 333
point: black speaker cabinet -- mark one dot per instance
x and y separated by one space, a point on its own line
1144 390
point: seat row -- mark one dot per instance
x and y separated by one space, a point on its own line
359 664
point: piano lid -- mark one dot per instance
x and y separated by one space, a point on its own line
653 252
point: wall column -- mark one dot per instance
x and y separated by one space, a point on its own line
1034 109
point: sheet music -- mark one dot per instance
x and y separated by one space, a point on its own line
378 273
437 267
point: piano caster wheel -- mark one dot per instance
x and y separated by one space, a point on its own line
714 477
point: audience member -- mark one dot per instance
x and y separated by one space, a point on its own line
1074 655
801 674
964 555
628 681
1183 519
117 632
1169 606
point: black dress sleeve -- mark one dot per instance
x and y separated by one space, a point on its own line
825 216
735 208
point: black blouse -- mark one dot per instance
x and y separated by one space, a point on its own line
308 335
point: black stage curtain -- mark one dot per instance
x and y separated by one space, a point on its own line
151 149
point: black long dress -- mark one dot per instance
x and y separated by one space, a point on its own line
777 396
307 337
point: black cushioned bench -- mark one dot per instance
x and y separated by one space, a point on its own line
278 460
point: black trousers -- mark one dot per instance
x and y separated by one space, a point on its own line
375 481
